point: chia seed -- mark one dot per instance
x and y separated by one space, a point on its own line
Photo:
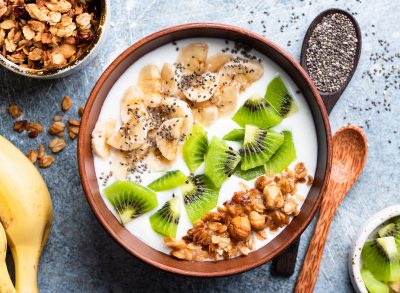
331 52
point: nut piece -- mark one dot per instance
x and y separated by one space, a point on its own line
15 111
46 161
261 182
32 155
73 131
300 171
74 122
290 207
239 228
57 128
273 197
80 111
57 145
66 103
41 151
34 129
280 218
20 126
57 118
257 221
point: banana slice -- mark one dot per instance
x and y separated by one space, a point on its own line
132 106
176 108
119 164
227 98
168 136
193 58
100 134
206 115
215 62
199 88
155 161
130 136
150 84
243 72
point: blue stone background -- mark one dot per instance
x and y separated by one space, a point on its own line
81 257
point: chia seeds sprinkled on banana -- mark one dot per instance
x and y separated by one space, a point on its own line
331 52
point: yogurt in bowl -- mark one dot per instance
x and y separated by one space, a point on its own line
199 75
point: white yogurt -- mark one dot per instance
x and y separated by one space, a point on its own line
301 124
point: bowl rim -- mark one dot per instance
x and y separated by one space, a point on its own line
103 79
354 261
58 72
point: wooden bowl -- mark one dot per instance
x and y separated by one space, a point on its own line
137 247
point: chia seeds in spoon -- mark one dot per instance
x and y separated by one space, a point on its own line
331 52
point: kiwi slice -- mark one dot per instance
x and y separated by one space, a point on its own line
195 147
277 95
283 156
381 257
249 174
235 135
200 195
373 285
130 200
168 181
259 146
165 221
257 111
221 160
387 230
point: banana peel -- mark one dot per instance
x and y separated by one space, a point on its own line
25 213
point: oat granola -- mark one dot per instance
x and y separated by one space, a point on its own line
230 231
47 34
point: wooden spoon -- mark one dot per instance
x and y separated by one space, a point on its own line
285 263
349 155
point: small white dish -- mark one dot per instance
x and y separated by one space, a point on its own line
368 230
74 66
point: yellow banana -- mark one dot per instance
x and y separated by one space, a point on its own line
6 286
25 212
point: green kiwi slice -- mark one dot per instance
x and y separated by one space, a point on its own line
168 181
372 284
381 257
221 160
195 147
249 174
165 221
200 196
259 146
130 200
392 229
277 95
257 111
235 135
283 156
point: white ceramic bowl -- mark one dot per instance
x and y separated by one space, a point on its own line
74 66
367 231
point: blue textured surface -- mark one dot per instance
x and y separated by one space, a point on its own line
81 257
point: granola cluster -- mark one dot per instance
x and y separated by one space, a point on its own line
46 34
34 129
230 231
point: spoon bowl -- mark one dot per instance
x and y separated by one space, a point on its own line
330 98
350 150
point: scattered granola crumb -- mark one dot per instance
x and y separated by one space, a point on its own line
34 129
57 118
57 145
20 126
80 111
15 111
32 155
73 132
57 128
66 103
46 161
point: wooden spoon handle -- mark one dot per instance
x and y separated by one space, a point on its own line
309 272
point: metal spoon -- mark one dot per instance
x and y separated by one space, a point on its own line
285 263
349 155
